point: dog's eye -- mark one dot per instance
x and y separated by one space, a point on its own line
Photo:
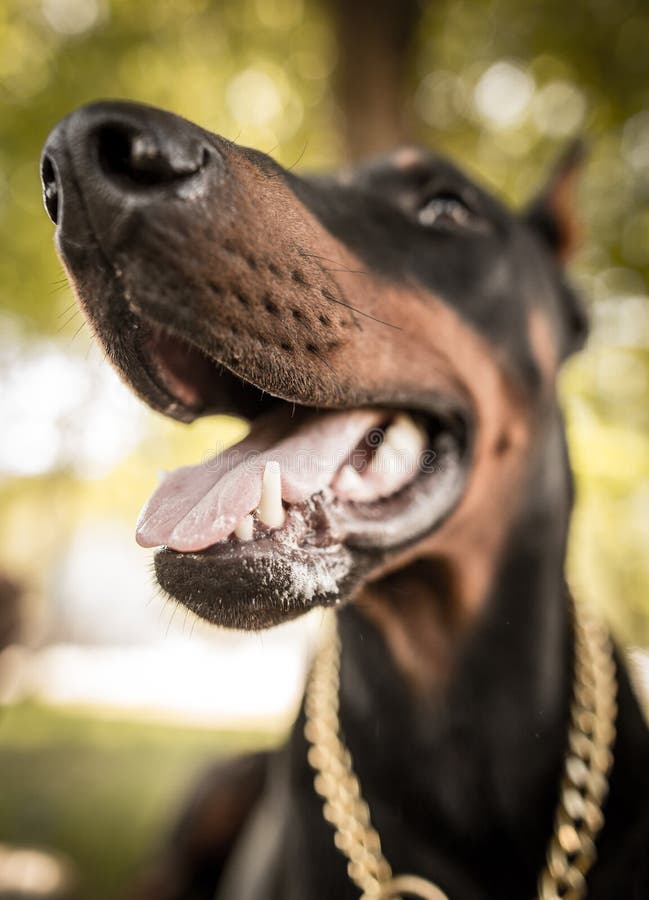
445 209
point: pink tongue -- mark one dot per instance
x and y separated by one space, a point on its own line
196 506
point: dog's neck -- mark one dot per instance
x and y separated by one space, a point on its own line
482 751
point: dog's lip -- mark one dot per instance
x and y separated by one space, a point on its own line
456 413
182 399
263 584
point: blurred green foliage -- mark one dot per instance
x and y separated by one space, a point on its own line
499 84
117 788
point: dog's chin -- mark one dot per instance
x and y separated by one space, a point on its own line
257 586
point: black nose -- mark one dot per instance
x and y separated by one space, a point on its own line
118 151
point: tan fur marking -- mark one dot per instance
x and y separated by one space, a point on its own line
543 345
562 203
407 157
413 610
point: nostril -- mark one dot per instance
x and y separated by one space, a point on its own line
50 189
114 146
123 152
140 159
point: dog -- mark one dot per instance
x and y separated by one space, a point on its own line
396 306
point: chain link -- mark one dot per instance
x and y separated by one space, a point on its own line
335 780
584 785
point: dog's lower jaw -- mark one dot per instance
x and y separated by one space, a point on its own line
283 589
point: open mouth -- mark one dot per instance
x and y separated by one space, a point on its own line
283 517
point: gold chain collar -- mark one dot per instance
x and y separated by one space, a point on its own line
584 784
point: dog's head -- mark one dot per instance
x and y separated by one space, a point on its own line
392 334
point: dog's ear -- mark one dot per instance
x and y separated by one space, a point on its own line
553 213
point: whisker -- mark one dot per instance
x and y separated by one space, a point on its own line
336 262
353 271
360 312
299 159
66 310
68 321
173 613
235 139
281 173
78 331
322 359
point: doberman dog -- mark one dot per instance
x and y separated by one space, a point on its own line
397 306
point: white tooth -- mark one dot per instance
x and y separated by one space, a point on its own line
271 511
399 453
386 459
405 436
350 485
161 475
348 481
244 528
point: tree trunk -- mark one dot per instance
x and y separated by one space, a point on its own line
375 39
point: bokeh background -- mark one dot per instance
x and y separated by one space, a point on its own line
111 698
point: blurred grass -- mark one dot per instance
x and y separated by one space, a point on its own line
100 790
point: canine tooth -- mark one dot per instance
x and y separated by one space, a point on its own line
399 453
271 511
348 480
244 528
405 436
386 459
